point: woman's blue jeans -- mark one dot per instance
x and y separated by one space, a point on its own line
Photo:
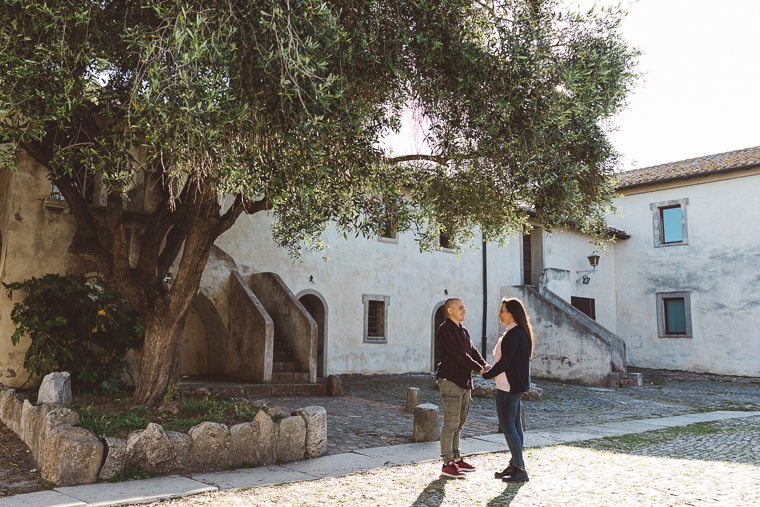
508 408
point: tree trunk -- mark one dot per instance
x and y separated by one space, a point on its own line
162 334
175 372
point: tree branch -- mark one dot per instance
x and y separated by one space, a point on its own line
438 159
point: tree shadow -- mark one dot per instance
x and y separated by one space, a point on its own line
506 497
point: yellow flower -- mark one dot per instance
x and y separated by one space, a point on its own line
102 312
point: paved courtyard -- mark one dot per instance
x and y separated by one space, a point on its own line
710 463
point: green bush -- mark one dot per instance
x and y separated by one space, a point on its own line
84 328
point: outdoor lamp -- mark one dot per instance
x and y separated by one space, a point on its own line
593 259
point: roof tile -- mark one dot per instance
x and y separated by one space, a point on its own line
702 165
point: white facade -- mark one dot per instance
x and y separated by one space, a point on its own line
717 267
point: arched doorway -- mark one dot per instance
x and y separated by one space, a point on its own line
315 304
439 315
204 340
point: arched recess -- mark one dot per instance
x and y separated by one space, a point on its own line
316 305
439 315
215 338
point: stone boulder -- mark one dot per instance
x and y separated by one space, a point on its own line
55 388
211 444
533 394
275 412
263 429
71 456
5 395
182 443
116 457
152 449
315 419
290 439
334 386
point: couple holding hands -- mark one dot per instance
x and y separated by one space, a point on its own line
456 359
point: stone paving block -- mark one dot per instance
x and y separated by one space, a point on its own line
479 445
132 492
338 465
41 499
425 427
252 477
412 398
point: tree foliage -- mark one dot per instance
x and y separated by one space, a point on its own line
84 328
233 106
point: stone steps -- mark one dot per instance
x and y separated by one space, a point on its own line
290 376
281 366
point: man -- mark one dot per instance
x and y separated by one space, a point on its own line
456 358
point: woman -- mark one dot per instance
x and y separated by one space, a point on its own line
511 370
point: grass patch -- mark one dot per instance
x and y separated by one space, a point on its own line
625 443
48 485
117 417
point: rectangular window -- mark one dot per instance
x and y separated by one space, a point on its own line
388 227
375 318
672 230
585 305
445 242
674 314
669 223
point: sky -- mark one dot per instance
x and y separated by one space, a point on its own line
700 90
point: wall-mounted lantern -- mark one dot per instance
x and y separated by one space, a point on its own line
593 259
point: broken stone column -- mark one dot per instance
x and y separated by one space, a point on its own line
55 388
315 419
412 398
425 423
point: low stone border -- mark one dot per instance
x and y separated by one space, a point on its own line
68 455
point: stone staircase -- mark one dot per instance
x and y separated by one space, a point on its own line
284 366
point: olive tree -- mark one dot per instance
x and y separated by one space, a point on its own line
246 106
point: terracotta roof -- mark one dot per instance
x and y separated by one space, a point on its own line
702 166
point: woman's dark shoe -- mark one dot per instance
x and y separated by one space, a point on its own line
506 472
519 475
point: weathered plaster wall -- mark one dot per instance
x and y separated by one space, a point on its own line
568 250
194 345
35 242
719 266
414 281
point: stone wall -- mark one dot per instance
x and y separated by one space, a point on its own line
69 455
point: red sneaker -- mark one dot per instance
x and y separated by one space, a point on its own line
451 469
464 466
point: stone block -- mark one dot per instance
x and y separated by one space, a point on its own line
263 439
211 444
182 443
59 417
152 448
33 428
4 396
170 407
483 392
637 379
55 388
533 394
412 398
425 423
116 457
334 386
71 456
242 438
612 380
315 419
275 412
290 439
12 414
201 394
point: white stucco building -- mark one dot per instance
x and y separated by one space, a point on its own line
660 297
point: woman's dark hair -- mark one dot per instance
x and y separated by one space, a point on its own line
515 307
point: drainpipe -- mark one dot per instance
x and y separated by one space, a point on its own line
485 297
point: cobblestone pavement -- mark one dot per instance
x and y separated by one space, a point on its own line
705 464
372 412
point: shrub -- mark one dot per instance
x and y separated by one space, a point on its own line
78 326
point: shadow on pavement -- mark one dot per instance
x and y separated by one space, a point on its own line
434 493
506 497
